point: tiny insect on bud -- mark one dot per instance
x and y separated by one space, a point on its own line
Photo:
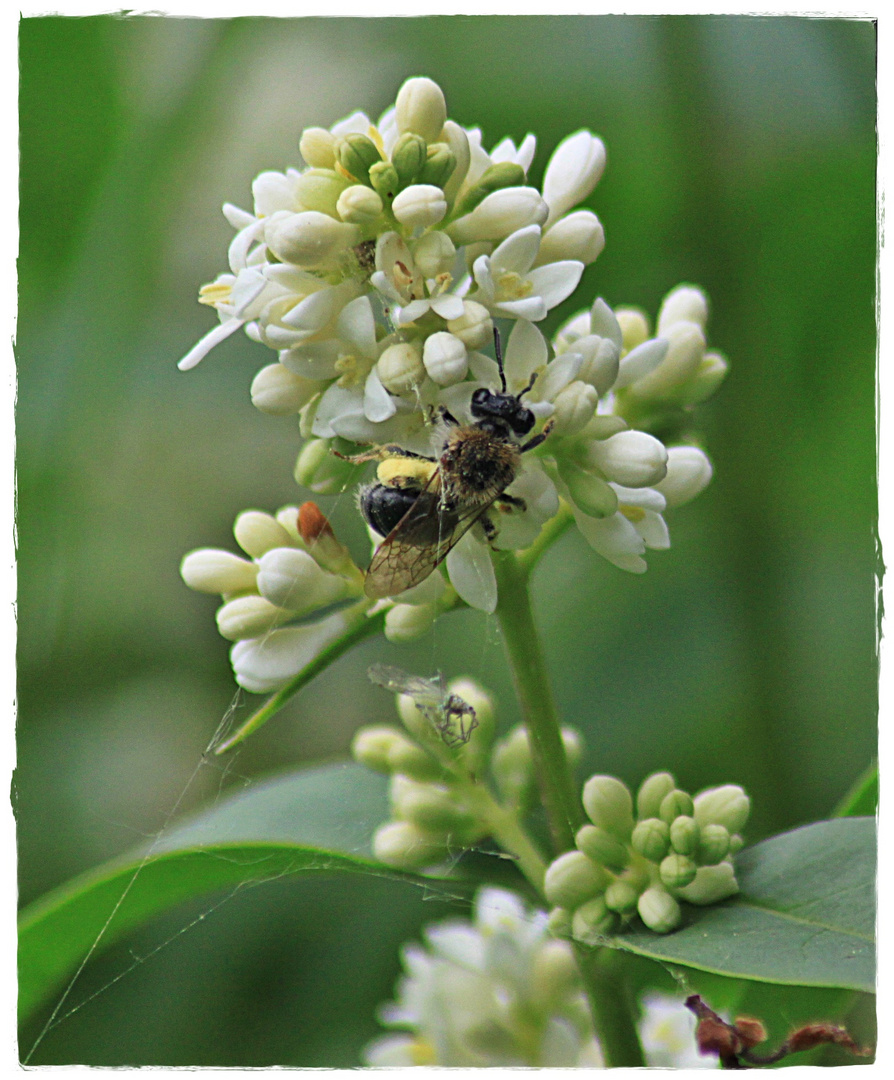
572 879
659 910
609 804
674 804
651 839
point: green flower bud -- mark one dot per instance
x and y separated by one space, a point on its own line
727 805
659 910
590 493
651 792
420 107
621 896
407 622
710 885
409 759
318 147
592 922
458 142
384 180
602 847
609 804
321 471
677 870
502 175
554 974
736 843
404 846
559 922
320 189
440 162
684 835
434 810
651 839
357 154
371 746
573 745
359 205
572 879
512 765
408 158
634 328
713 844
674 804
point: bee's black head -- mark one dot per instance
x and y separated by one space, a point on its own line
486 405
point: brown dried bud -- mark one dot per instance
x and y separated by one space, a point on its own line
312 523
750 1031
317 533
811 1035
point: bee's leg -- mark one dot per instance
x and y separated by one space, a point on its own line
490 530
447 416
513 501
382 453
538 439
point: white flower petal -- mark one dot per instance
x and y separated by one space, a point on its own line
378 404
526 351
653 530
555 282
448 306
201 349
472 573
615 539
604 323
313 361
357 325
640 362
558 375
518 251
532 308
236 216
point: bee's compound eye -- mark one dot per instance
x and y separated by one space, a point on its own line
481 396
523 421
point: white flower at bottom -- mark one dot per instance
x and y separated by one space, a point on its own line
667 1032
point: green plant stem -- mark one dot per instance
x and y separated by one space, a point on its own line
557 526
610 1006
560 799
509 834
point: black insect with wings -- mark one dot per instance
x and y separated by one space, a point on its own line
424 505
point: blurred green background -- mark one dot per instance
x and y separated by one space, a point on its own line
741 156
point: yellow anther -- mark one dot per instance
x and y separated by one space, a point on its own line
632 513
215 292
512 286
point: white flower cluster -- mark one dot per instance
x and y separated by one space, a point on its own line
377 272
499 991
675 848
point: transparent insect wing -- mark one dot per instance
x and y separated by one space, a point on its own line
420 541
421 690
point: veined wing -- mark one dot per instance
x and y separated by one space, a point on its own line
421 540
425 692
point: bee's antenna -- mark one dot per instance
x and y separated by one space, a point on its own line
530 385
498 349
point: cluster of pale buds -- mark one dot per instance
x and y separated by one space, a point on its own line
500 991
676 848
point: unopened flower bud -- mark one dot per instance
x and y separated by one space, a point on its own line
359 205
445 358
512 765
458 141
684 835
322 543
320 470
572 879
659 910
588 492
409 759
651 792
651 839
727 805
474 327
686 348
309 238
420 107
434 254
249 617
371 746
609 805
210 570
621 896
572 172
404 846
713 844
257 533
688 474
710 885
400 367
279 392
408 157
630 458
407 622
736 843
292 579
577 236
440 162
575 406
709 375
634 327
592 921
419 206
287 516
674 804
384 179
433 810
602 847
554 974
357 154
677 870
559 923
320 189
573 745
501 175
686 303
318 147
499 214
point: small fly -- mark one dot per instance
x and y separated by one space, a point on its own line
452 718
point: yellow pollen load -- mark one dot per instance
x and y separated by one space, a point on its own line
215 292
512 286
398 471
632 513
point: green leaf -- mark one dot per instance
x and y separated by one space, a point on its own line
862 799
317 821
804 916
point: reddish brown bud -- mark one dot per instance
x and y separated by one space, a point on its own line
313 523
716 1037
811 1035
751 1032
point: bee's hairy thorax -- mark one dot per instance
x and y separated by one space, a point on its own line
476 466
